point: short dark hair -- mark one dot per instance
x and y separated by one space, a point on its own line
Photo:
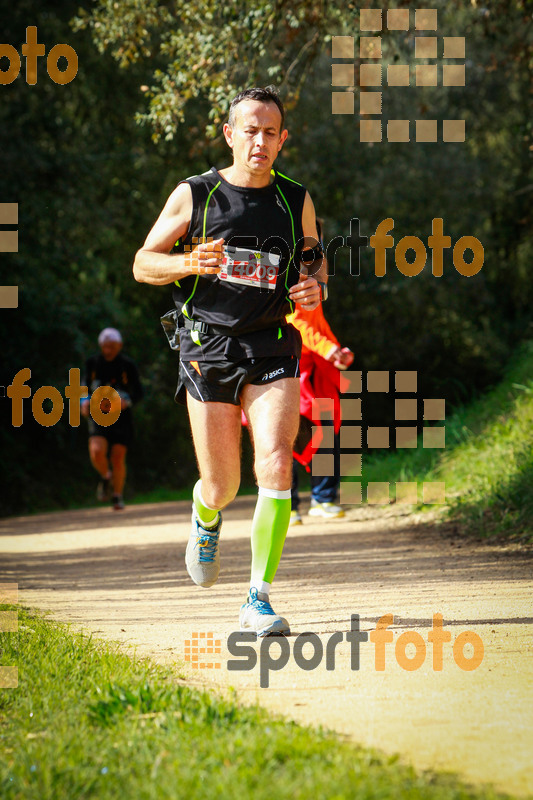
267 95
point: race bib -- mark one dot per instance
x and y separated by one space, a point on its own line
249 267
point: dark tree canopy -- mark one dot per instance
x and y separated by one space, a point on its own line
89 182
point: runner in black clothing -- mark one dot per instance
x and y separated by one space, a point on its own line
231 241
108 445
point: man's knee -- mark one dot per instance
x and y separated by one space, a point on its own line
274 466
218 493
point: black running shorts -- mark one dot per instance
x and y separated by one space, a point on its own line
223 381
118 433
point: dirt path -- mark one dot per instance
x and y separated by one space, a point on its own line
122 576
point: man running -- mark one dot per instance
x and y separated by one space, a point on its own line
108 445
236 236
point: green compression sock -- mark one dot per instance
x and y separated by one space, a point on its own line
269 529
205 514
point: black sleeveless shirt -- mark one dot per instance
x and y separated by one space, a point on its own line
248 301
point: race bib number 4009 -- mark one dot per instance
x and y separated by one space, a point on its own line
250 267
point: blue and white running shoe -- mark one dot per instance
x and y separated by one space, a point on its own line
258 616
202 557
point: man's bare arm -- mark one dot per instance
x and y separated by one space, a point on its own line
153 262
307 291
310 230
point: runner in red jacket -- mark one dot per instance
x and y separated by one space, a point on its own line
321 365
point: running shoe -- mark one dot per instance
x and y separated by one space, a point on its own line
296 518
117 501
202 557
258 616
103 490
327 510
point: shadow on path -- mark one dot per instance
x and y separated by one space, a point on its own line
317 554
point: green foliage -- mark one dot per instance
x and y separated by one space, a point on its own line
481 188
456 332
90 182
488 463
210 49
87 721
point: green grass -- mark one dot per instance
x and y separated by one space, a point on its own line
88 721
488 461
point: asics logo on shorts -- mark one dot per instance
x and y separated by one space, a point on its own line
268 375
